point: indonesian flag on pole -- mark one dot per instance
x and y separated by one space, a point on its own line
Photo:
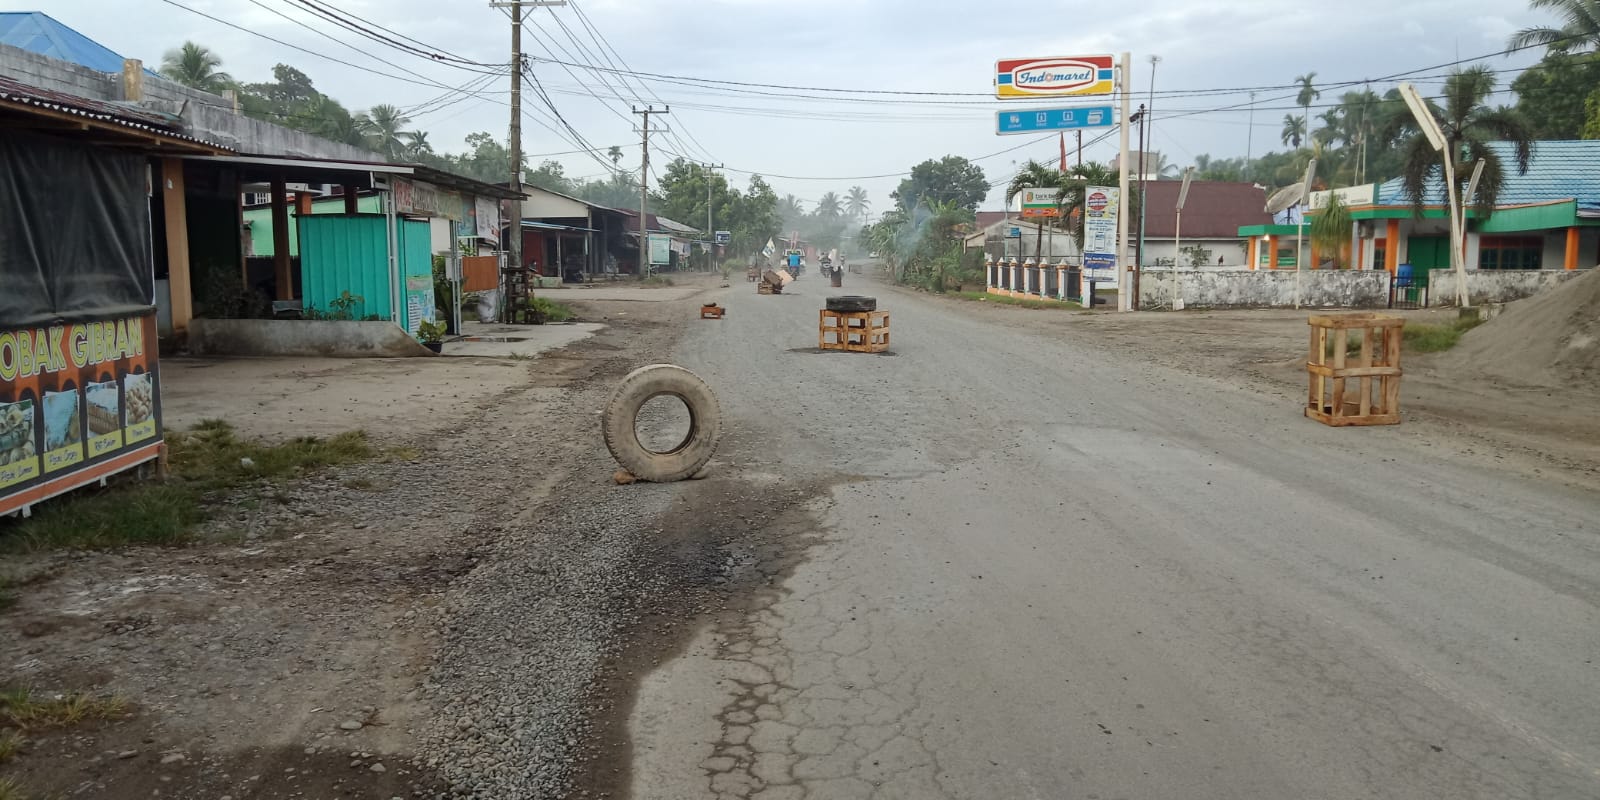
1063 152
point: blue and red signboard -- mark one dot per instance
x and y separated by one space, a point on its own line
1060 76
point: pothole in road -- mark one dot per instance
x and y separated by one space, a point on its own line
663 424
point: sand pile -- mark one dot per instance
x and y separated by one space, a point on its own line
1550 339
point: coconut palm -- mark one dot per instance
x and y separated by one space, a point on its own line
856 203
829 208
790 208
1294 130
1469 125
382 124
417 145
197 67
1579 31
1308 93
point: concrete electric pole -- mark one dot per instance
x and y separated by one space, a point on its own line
644 185
514 236
711 228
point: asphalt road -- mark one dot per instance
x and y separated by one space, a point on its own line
1042 573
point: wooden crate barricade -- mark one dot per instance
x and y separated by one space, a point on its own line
859 332
712 311
1375 369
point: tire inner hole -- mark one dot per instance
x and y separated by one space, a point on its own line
663 424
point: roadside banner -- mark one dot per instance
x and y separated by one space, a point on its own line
1100 227
77 402
772 247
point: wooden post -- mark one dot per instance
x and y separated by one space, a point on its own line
1572 248
175 210
280 241
1391 247
302 204
351 200
1315 260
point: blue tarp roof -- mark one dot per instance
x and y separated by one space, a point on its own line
38 32
1559 170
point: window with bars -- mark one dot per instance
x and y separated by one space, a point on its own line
1510 252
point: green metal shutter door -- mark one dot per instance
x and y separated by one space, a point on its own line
340 253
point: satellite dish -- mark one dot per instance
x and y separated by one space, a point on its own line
1285 197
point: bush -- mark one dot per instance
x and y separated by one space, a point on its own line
546 310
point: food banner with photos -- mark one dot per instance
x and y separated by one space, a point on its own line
78 402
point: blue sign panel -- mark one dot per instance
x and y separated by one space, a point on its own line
1041 120
1099 261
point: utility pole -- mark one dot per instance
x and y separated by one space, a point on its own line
711 229
1249 138
515 7
1080 146
1124 273
644 185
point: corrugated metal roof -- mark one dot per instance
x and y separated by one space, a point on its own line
38 32
21 94
1559 170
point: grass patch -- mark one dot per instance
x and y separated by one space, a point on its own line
1435 338
10 745
23 710
1006 300
10 790
549 310
208 462
656 280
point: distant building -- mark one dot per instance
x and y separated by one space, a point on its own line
1213 213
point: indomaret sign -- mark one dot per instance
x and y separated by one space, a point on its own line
1060 76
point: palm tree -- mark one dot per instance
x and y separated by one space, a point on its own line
829 207
1294 130
1579 32
615 154
417 145
856 203
1308 93
197 67
790 208
382 124
1469 125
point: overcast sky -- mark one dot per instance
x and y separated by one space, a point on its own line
905 45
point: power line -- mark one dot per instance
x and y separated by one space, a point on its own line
364 27
606 51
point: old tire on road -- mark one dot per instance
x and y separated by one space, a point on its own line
619 423
852 304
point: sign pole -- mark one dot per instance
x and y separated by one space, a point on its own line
1124 273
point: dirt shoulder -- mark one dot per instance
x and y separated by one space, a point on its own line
440 618
1538 430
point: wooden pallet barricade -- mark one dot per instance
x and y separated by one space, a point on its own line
857 332
1374 368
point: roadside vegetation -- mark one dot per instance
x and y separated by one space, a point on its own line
546 310
24 711
1004 300
656 281
1436 338
205 464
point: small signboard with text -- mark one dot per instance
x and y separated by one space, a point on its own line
1041 203
660 249
1044 120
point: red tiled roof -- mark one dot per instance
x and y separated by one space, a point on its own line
1213 209
987 218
